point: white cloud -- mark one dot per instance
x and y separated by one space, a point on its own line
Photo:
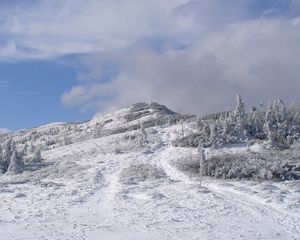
257 58
49 29
53 28
207 50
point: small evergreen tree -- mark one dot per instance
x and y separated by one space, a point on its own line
16 164
9 148
37 156
276 125
240 121
270 126
214 137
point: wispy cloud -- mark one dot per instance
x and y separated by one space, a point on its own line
54 28
27 93
4 84
49 29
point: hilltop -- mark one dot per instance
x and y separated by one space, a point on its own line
134 174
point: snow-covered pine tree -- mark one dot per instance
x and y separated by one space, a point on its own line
37 156
240 120
277 125
213 137
219 127
269 122
252 122
281 123
256 122
16 164
227 129
293 119
204 132
271 126
9 147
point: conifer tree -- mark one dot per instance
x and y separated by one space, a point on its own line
16 164
37 156
239 118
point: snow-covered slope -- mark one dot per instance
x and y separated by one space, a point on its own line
118 176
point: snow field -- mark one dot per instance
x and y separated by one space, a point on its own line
126 186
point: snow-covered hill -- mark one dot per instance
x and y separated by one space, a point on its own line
120 176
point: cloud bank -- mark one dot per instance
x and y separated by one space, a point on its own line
193 55
258 59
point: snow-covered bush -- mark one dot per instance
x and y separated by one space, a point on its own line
98 132
17 157
11 160
140 173
66 141
37 157
251 166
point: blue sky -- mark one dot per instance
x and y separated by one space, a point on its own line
67 60
30 94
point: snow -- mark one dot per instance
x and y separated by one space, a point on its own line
4 131
118 188
53 124
235 148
